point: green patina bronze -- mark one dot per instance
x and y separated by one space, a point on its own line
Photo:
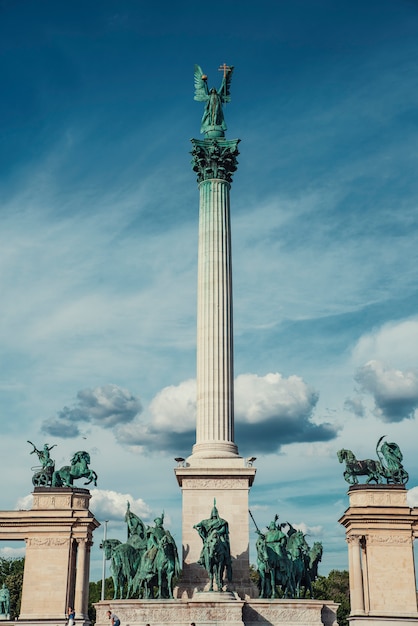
47 476
147 563
4 601
159 563
42 476
79 468
285 560
214 157
388 468
213 120
215 555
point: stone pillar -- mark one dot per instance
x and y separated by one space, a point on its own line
215 160
56 573
215 372
356 577
380 528
215 470
82 579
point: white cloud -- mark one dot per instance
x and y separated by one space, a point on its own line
258 398
174 407
355 405
394 342
112 505
105 406
269 411
12 553
412 497
24 503
395 392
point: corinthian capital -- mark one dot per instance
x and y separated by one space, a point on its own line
215 158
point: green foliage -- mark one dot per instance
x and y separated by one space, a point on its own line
95 595
11 573
335 587
254 575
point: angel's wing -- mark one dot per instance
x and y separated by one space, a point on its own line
225 90
201 92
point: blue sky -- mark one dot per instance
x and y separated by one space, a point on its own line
98 245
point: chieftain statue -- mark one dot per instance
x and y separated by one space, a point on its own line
146 565
215 555
388 467
213 121
285 561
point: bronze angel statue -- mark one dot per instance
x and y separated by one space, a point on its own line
213 121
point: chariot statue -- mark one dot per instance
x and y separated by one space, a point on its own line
42 476
386 468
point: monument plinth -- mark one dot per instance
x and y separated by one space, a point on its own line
380 529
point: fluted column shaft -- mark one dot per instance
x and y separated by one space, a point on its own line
215 370
82 579
215 160
356 576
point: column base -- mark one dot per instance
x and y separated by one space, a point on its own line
215 450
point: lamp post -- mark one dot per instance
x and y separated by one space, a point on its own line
104 561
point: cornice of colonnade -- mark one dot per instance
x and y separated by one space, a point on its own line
55 511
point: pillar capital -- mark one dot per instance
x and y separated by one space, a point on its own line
215 158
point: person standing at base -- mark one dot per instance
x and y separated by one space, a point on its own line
71 616
115 621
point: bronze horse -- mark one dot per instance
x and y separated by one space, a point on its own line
353 468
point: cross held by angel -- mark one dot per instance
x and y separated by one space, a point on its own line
213 121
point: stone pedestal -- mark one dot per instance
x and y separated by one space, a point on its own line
206 609
380 529
229 481
58 533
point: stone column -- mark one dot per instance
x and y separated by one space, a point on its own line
82 579
356 578
215 471
55 576
382 574
215 160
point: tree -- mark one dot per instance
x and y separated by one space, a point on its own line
11 574
335 587
95 595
